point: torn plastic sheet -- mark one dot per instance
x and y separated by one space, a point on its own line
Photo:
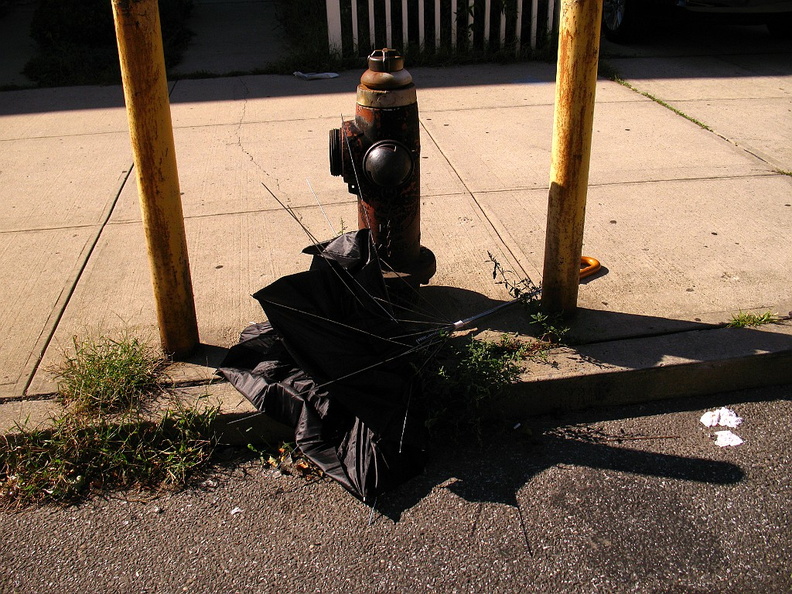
726 438
722 417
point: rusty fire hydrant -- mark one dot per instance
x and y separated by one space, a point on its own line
378 154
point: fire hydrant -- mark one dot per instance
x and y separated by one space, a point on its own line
378 154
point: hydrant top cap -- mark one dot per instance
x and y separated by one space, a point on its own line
385 60
386 71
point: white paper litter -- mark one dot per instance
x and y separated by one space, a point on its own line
727 438
236 510
722 417
315 75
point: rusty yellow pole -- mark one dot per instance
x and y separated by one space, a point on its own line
578 53
140 51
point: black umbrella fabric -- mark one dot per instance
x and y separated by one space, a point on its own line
335 364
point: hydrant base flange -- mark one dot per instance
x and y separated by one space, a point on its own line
418 272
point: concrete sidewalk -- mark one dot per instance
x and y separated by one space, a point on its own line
691 223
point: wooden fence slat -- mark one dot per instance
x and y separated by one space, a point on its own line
518 28
334 25
437 24
421 24
487 9
453 23
389 23
372 37
405 26
503 26
469 21
534 19
462 13
355 40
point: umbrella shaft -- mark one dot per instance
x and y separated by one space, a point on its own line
461 324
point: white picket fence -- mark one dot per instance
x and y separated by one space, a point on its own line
493 31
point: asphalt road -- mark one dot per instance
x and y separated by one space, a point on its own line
616 500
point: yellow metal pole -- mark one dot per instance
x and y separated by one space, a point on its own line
576 80
140 51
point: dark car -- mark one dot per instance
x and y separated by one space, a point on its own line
625 20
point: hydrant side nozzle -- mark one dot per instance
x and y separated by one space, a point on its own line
336 153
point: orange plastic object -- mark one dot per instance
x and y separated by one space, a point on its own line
588 266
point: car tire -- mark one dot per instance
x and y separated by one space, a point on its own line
621 20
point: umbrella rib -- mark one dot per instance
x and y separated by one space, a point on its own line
373 245
312 238
409 397
432 310
409 351
336 322
360 197
415 322
293 215
321 207
429 340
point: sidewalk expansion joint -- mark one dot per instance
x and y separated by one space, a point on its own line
63 300
506 247
168 385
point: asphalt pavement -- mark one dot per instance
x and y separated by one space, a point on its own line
689 211
631 499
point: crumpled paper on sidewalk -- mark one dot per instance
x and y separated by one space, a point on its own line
722 417
726 438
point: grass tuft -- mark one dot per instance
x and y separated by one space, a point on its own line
82 455
105 375
608 71
103 441
463 381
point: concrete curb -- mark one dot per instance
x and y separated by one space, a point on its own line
639 370
616 372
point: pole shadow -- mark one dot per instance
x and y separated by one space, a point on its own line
497 472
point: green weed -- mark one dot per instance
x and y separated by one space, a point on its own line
106 375
102 441
462 381
608 71
81 455
748 319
